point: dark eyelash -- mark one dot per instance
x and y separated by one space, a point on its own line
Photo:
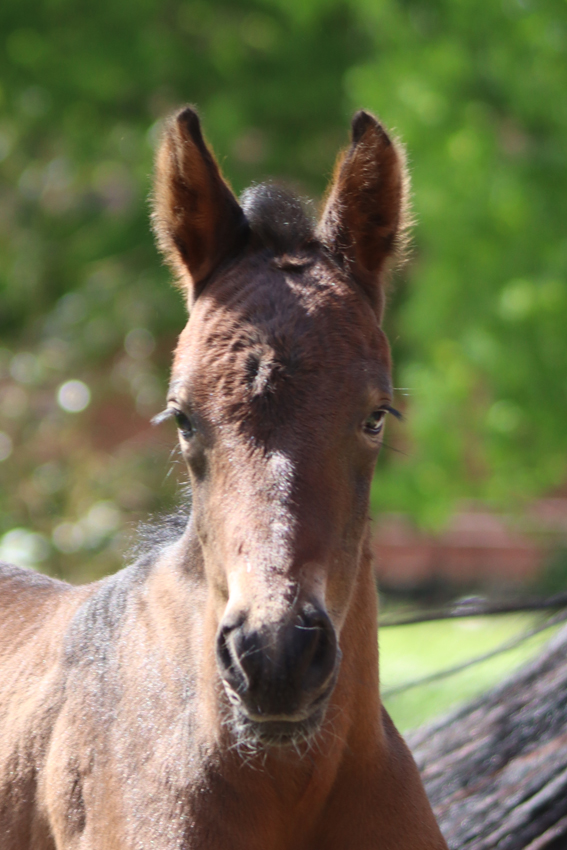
168 413
394 412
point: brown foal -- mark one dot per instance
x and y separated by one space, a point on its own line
222 692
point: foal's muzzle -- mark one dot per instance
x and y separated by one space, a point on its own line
279 672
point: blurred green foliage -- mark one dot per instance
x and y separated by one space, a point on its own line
477 320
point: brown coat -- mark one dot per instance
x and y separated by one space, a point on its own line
222 693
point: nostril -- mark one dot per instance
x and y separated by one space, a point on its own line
320 651
227 653
239 657
317 647
224 657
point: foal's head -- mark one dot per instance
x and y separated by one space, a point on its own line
280 387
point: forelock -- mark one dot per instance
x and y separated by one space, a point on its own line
277 217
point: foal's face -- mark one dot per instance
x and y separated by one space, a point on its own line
280 387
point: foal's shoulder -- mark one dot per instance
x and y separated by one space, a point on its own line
34 596
30 606
100 617
18 584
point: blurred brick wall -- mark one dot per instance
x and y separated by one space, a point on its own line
476 547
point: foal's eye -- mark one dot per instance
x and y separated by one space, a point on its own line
375 422
184 424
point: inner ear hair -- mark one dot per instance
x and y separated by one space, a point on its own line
365 220
196 218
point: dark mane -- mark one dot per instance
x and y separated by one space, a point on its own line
159 531
277 217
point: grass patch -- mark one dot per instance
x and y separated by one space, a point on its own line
408 653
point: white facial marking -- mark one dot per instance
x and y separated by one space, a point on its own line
281 471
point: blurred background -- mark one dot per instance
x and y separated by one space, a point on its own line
471 491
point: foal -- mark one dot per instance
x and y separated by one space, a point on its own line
222 693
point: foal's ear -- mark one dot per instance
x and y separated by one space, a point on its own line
364 221
197 220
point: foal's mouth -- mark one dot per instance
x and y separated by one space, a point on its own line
253 728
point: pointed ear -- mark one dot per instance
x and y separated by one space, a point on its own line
364 221
197 220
